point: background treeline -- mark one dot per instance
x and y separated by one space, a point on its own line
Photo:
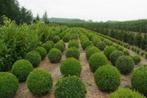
134 38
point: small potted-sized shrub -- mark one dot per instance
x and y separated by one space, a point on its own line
71 66
54 55
107 78
70 87
39 82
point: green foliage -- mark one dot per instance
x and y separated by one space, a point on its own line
39 82
107 78
56 39
21 69
55 55
71 66
60 45
115 55
139 80
8 85
101 45
91 50
48 45
34 57
136 59
73 43
85 44
125 93
73 52
108 50
42 51
97 60
70 87
125 64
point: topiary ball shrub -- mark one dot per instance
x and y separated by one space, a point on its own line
97 60
101 45
8 85
48 45
73 52
91 50
34 57
108 50
21 69
42 51
126 93
54 55
87 43
107 78
71 66
73 43
60 45
115 55
136 59
70 87
139 80
56 39
39 82
125 64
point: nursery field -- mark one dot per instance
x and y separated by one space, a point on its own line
56 61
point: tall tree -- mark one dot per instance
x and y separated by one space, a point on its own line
45 18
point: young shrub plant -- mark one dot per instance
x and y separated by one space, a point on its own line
73 52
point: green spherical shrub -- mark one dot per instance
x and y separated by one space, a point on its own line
126 93
21 69
136 59
125 64
73 43
54 55
108 50
91 50
48 45
101 45
39 82
56 39
42 51
70 87
139 80
126 52
60 45
107 78
115 55
71 66
97 60
34 57
66 38
8 85
85 44
73 52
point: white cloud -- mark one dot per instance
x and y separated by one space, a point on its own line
100 10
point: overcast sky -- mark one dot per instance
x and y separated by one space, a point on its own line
97 10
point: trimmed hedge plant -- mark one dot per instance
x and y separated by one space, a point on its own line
73 52
97 60
21 69
39 82
70 87
34 57
107 78
42 51
101 45
139 79
73 43
8 85
125 64
71 66
60 45
48 45
108 50
54 55
91 50
126 93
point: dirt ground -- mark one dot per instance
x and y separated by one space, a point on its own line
86 77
